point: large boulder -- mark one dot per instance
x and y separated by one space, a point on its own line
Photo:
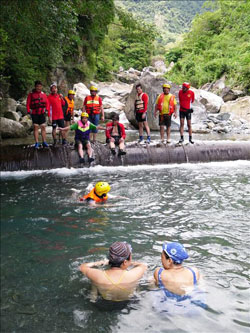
81 92
27 123
12 129
211 101
239 108
152 85
12 115
22 109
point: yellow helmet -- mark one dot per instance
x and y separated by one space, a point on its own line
84 114
71 92
93 88
165 85
102 188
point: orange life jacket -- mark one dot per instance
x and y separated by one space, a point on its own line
93 105
171 104
92 195
71 104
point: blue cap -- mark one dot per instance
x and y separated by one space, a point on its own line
175 251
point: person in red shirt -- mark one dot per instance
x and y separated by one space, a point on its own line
93 106
115 135
186 97
37 104
141 105
56 116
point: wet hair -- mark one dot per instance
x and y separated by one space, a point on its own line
115 117
38 82
167 257
138 85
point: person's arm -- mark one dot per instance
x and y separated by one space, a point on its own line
193 97
71 127
156 276
90 272
155 111
145 100
175 108
138 270
107 131
84 105
28 103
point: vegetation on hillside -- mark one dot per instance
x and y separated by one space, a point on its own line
171 17
217 44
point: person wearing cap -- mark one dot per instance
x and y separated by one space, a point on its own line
141 105
115 135
82 131
98 194
55 113
93 106
37 105
173 278
166 106
68 108
116 283
186 97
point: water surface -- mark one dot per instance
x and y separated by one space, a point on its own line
46 234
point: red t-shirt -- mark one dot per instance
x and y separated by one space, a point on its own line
185 99
55 106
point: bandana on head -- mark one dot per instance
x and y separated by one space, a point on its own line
119 251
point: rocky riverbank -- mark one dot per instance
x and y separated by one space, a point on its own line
217 109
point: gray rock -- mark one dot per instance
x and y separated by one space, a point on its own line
12 115
22 109
211 101
12 129
223 116
27 123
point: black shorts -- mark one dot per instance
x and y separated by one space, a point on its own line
38 119
58 122
138 117
185 114
165 120
117 139
67 117
83 142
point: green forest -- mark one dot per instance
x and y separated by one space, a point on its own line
91 39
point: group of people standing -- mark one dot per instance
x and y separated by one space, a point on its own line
60 111
166 107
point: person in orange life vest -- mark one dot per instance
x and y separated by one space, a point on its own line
98 194
186 97
141 105
93 106
82 131
37 104
68 108
56 102
166 105
115 135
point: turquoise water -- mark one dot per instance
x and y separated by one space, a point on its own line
46 234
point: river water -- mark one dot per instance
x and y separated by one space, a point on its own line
46 234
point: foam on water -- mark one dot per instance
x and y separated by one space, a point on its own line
113 169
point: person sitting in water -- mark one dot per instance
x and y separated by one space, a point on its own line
98 194
173 278
117 283
115 135
82 131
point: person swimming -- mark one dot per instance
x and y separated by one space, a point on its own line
116 283
98 193
173 278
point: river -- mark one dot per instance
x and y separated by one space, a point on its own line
46 234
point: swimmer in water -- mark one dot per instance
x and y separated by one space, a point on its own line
173 278
98 194
117 283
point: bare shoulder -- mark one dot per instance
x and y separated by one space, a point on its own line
156 274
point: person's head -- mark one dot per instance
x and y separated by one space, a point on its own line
38 86
71 94
115 118
84 117
102 189
173 254
138 88
53 88
166 88
120 254
185 86
93 90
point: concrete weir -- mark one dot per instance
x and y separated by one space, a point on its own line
14 158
